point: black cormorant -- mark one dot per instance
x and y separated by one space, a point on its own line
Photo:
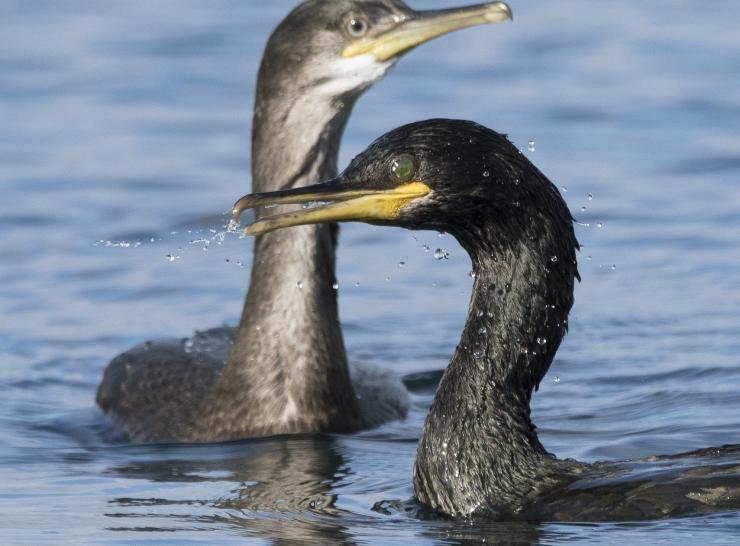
479 454
286 371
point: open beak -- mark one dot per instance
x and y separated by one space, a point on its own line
423 26
335 201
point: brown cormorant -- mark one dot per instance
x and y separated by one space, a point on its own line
479 454
286 371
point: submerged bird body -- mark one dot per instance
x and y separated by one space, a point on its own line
479 453
284 369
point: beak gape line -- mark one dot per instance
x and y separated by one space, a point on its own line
345 203
425 26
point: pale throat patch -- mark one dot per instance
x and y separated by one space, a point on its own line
347 74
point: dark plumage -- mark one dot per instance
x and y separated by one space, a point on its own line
479 454
284 369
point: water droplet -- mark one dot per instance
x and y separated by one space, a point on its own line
471 274
479 314
590 196
589 258
557 379
401 264
441 254
564 189
614 267
482 330
554 259
171 258
583 208
299 284
541 341
335 286
388 278
600 225
525 350
357 284
530 145
477 354
188 345
486 174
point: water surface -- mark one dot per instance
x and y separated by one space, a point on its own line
125 138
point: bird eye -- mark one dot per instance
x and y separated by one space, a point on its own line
356 27
403 168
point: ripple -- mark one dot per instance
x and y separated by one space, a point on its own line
130 121
705 164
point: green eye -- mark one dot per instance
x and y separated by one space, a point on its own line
403 168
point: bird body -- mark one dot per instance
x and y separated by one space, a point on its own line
189 370
479 454
284 369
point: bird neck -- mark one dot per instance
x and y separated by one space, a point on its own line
479 451
288 364
296 132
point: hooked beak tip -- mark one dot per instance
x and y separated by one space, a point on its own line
239 207
506 10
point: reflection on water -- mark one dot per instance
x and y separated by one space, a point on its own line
282 489
129 122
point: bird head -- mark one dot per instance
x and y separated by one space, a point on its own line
344 46
446 175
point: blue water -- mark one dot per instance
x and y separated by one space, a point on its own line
124 139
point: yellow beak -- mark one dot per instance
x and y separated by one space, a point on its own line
341 204
425 26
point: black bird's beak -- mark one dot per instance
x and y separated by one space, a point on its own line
336 201
423 26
